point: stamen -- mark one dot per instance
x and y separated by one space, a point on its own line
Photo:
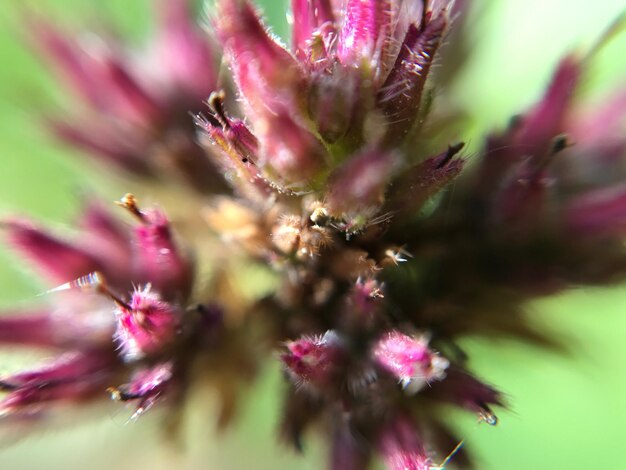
129 202
216 104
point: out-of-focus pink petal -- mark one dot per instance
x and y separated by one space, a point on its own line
191 62
402 448
597 213
72 376
59 260
548 118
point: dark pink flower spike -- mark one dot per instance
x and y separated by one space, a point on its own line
365 39
73 376
146 387
401 93
158 260
401 446
410 360
267 75
146 325
357 188
313 362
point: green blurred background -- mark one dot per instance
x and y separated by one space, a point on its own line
566 412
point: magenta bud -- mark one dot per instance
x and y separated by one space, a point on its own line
159 260
401 94
134 112
401 447
410 360
308 16
146 325
291 157
266 74
419 183
365 39
54 328
146 387
333 100
314 361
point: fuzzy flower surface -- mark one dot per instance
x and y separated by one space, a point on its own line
326 163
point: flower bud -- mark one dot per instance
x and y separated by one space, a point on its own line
158 260
422 181
291 157
401 94
145 387
146 325
409 360
266 74
314 361
365 39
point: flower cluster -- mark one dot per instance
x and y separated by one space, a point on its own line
333 159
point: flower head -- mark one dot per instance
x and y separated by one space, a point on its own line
336 185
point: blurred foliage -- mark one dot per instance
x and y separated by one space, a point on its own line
567 411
